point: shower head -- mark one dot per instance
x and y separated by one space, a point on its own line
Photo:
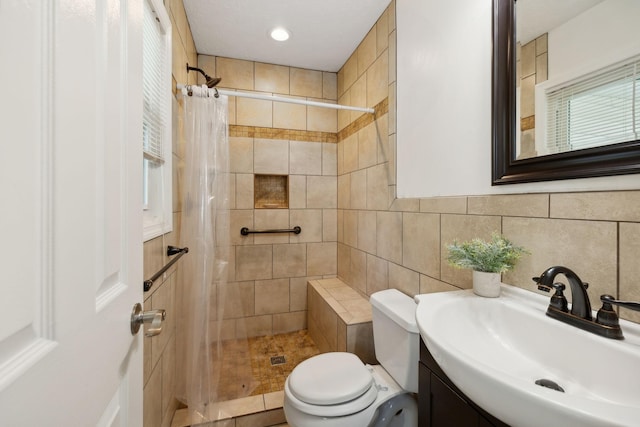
211 81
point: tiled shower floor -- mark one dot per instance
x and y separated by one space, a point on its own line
245 365
249 386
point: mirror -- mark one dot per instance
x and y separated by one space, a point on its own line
530 148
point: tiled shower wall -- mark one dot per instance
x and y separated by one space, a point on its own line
160 351
385 242
266 291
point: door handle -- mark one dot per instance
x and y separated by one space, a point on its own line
154 317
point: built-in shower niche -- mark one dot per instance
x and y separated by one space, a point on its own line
271 191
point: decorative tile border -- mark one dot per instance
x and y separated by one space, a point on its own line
381 109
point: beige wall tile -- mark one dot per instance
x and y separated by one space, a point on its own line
306 82
344 116
587 247
462 228
528 59
322 258
393 55
350 72
254 112
542 68
257 326
527 96
322 192
163 299
233 109
297 191
351 228
358 270
377 187
444 205
608 206
359 189
241 155
329 225
367 51
530 205
382 32
542 44
237 220
330 85
367 231
265 219
272 296
378 80
382 137
351 149
310 220
329 158
265 418
392 159
272 78
235 73
360 342
305 158
358 95
404 280
389 236
298 293
629 267
289 260
152 401
208 64
367 146
392 15
340 225
392 108
236 299
322 119
344 191
153 257
271 156
430 285
289 322
244 191
342 336
254 262
344 263
377 274
421 243
289 116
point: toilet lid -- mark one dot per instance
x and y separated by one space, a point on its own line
330 379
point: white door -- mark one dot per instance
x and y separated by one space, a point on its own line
70 212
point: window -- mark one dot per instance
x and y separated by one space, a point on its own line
156 120
602 109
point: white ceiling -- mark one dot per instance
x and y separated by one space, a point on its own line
536 17
324 33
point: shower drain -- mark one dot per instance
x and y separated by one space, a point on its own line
277 360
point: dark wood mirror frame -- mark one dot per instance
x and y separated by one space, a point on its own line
616 159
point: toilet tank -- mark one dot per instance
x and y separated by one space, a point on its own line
396 336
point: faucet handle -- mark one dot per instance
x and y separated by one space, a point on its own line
607 300
558 300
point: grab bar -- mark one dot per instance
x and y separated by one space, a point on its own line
245 231
171 250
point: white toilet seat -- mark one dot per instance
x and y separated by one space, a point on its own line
330 379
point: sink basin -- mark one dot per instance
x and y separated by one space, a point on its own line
495 349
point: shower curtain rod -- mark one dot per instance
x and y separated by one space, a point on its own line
275 98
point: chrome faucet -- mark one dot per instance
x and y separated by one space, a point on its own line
606 323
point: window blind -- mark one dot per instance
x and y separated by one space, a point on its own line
600 110
155 105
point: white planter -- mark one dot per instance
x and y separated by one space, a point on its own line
486 284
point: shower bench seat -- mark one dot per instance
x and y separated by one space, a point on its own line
339 318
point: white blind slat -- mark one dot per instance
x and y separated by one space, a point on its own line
154 100
598 110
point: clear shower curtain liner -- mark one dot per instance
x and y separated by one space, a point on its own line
205 230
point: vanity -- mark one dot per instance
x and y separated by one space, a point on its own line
441 403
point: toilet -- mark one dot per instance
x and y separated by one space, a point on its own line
339 390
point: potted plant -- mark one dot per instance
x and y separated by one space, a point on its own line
487 259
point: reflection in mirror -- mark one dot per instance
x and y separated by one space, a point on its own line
567 104
571 110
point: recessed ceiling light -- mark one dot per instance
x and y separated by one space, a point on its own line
279 34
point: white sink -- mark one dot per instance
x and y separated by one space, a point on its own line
494 349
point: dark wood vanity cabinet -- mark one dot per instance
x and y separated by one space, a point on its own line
442 404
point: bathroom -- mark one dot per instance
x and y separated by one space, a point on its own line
342 192
355 227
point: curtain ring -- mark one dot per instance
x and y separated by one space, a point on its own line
217 95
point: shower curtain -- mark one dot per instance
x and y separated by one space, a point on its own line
205 230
